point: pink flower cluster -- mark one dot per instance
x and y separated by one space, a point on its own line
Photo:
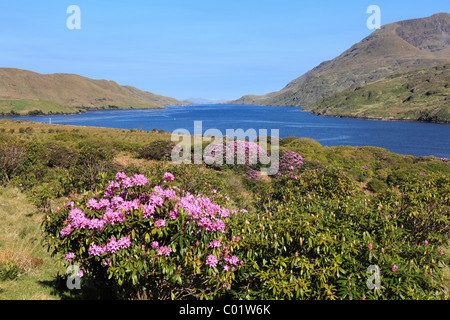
228 260
112 246
202 212
125 195
289 163
236 152
78 220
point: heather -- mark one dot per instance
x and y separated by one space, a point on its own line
142 228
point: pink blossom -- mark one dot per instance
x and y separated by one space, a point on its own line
95 250
394 268
168 176
69 256
139 180
66 230
164 250
127 183
172 215
148 210
120 176
211 260
160 223
232 260
92 203
155 244
214 244
71 204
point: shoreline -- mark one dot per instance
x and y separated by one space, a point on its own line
353 117
188 105
72 113
379 118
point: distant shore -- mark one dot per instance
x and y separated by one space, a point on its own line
379 118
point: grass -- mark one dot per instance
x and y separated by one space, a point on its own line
25 106
20 245
71 135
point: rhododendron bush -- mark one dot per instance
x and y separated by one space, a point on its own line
148 241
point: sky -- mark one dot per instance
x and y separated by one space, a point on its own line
191 48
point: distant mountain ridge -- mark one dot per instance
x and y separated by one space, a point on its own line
396 47
27 91
205 100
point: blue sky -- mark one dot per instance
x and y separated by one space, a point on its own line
191 48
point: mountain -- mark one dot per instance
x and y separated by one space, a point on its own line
204 101
23 91
422 95
396 47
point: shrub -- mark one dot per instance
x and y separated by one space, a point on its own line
61 157
148 241
326 183
243 157
156 150
307 247
290 163
94 165
425 208
376 185
9 271
12 158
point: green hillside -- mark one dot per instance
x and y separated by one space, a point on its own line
422 95
27 92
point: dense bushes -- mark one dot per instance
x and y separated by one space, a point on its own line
425 208
156 150
315 241
309 233
12 157
148 241
318 245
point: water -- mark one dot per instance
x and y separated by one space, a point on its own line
414 138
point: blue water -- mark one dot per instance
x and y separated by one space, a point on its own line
414 138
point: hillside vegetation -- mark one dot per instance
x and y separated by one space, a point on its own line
27 92
139 226
422 95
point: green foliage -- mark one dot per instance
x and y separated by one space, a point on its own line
317 246
12 158
149 258
377 185
425 208
9 271
156 150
